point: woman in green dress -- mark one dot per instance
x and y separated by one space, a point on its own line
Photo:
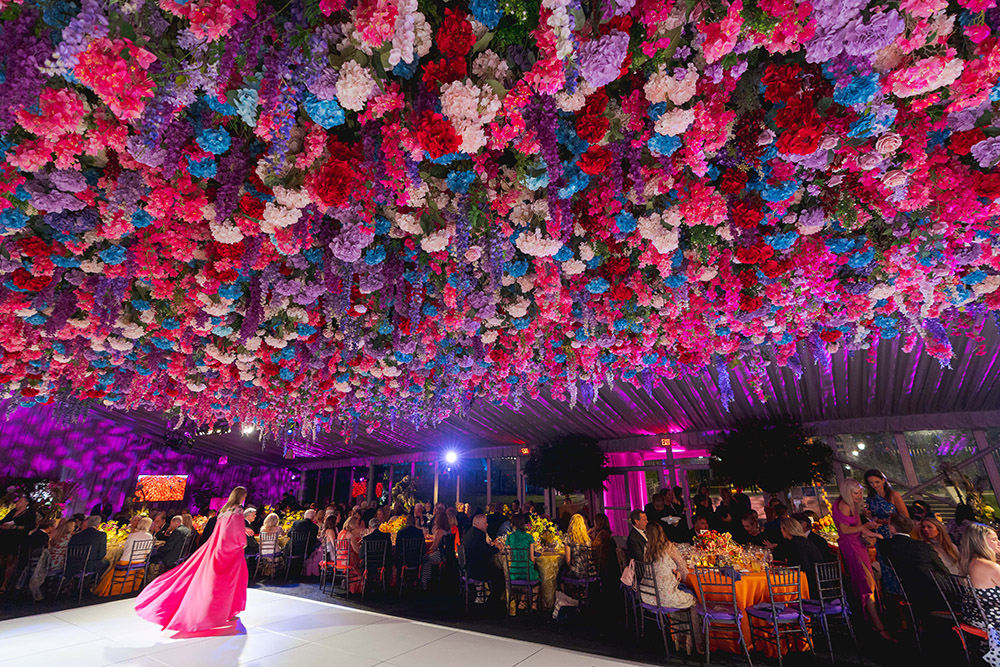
522 551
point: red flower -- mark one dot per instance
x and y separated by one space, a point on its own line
781 82
621 292
616 266
962 142
437 135
749 303
338 178
455 38
592 128
26 281
831 335
988 185
748 255
595 104
733 182
445 70
252 207
801 141
33 246
747 278
595 161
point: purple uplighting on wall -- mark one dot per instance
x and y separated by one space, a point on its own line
105 458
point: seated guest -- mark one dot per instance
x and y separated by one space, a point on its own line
206 532
700 524
159 520
419 516
462 514
81 521
821 544
130 555
479 553
435 553
772 529
325 547
751 534
964 515
249 516
368 512
375 536
579 561
410 532
38 538
913 561
933 533
58 543
453 523
635 543
521 543
174 538
352 530
91 537
188 522
795 549
668 569
307 525
270 527
980 547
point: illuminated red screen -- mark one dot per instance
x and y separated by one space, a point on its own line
158 488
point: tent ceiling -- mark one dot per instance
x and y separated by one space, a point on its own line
893 383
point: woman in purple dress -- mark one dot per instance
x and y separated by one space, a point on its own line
847 516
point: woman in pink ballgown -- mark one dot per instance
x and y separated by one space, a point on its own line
210 588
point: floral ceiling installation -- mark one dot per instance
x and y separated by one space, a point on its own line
332 214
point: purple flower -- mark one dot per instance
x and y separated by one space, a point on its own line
57 202
825 45
864 39
601 59
987 152
68 180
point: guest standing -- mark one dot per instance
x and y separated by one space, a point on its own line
209 589
103 508
14 529
933 533
882 503
847 517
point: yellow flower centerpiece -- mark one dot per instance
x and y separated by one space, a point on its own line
116 534
545 532
290 518
199 522
393 526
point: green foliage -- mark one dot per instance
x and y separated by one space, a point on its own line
569 464
771 455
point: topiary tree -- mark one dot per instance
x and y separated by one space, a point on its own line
569 464
771 455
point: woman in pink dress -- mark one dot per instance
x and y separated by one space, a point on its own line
210 588
854 552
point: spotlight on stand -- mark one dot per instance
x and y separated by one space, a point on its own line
451 457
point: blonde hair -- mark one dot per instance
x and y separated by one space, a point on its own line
352 523
792 527
187 521
847 488
270 521
943 539
974 545
577 531
66 526
657 542
236 499
143 525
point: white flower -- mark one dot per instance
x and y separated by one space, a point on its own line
279 216
572 267
227 233
354 86
535 245
519 308
288 198
437 241
488 337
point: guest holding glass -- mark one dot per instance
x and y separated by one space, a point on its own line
854 552
14 529
933 532
882 503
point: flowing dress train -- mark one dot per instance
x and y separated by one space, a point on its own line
208 589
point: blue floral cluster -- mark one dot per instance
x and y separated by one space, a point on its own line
326 113
215 142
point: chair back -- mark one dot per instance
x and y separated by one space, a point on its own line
784 587
268 543
960 587
461 559
951 587
411 551
297 544
645 579
373 553
448 548
518 564
715 589
139 551
829 583
342 552
76 559
622 558
886 563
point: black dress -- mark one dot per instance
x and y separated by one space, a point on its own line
12 539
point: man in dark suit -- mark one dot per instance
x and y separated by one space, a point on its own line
656 508
914 562
249 516
91 537
635 543
411 532
374 537
479 554
494 521
174 538
821 545
103 508
307 525
206 532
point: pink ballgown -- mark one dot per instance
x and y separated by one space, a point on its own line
208 589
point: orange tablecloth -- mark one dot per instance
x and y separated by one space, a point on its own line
751 589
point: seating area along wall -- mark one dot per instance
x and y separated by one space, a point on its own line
105 457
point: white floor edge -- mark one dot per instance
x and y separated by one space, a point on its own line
280 630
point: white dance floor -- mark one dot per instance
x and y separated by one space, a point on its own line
277 630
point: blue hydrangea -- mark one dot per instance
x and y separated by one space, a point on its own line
575 179
13 218
170 324
975 277
447 159
222 330
870 125
537 182
403 358
225 108
522 323
861 258
382 224
487 12
406 70
625 222
65 262
385 328
621 324
664 145
375 255
36 319
305 330
674 281
326 113
286 374
860 90
657 110
215 142
598 286
779 191
839 246
114 255
781 241
231 291
162 343
141 219
565 253
430 310
516 269
202 168
140 304
459 181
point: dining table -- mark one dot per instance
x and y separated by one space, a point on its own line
751 589
547 562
